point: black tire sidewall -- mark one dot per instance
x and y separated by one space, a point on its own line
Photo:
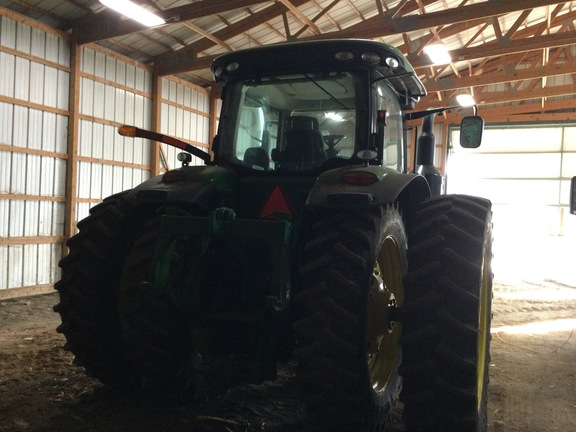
360 234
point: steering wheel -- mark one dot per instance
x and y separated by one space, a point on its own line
331 141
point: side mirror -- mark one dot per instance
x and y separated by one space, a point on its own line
573 196
471 131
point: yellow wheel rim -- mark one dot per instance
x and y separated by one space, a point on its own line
483 329
383 333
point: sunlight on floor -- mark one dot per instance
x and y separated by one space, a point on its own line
535 259
542 327
540 293
539 274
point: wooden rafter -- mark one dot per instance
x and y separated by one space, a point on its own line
108 24
207 34
300 16
503 42
323 12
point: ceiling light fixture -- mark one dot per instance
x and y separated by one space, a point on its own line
438 54
465 100
334 116
134 11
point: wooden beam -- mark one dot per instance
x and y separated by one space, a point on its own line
275 10
175 62
502 47
206 34
26 150
531 108
488 98
109 24
449 83
15 16
13 241
214 115
156 122
27 291
18 197
300 16
484 10
317 17
372 28
73 135
194 62
517 23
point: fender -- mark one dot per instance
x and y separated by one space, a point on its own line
388 185
204 187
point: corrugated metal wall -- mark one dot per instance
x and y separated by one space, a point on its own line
33 145
37 70
113 92
185 114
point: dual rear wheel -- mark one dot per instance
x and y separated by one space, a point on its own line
374 304
377 303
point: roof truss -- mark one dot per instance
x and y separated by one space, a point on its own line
507 51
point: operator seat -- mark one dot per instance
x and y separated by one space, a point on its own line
257 157
304 147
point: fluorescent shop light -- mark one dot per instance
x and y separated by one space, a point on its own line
438 54
134 11
465 100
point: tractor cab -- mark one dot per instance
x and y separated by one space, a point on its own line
343 107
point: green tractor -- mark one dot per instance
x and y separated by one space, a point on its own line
304 237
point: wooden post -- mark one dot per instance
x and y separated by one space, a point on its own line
73 134
156 121
214 113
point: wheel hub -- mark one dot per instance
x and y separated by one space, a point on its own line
383 328
383 321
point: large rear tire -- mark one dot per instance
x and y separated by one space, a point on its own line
156 330
89 286
348 347
447 317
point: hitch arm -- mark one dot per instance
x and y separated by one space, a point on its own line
134 132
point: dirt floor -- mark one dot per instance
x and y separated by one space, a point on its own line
533 382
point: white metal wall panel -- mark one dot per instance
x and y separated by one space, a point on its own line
34 130
30 264
185 114
5 175
4 268
113 92
8 32
83 210
18 178
15 266
34 135
23 37
16 218
7 66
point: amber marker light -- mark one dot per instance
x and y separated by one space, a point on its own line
127 131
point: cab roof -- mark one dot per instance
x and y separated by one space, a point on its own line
321 56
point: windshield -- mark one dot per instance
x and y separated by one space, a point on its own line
292 123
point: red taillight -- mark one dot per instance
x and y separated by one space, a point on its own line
359 178
173 176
